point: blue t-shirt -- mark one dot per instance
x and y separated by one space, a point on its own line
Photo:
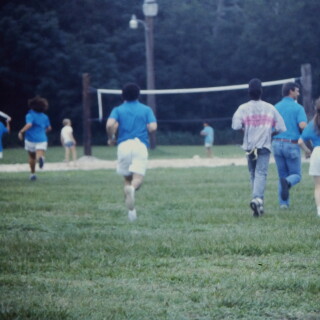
208 134
292 113
3 130
310 133
40 122
133 118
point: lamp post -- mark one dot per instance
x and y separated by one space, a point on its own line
150 10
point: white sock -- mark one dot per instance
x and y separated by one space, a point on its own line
132 215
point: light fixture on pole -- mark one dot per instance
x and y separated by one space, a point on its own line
150 10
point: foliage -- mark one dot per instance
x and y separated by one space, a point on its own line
46 46
195 251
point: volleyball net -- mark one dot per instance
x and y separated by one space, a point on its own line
100 92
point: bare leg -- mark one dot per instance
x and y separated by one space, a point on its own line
74 153
40 153
66 157
32 162
209 152
131 184
317 192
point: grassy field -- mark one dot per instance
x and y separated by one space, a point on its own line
68 250
56 154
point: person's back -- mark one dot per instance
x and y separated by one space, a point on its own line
292 113
259 120
286 151
39 121
133 118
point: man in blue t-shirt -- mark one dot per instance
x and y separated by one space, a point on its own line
208 134
133 121
285 145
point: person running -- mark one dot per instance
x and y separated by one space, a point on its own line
35 129
259 120
287 153
208 134
312 133
4 129
133 121
68 141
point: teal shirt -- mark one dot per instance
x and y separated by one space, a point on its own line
133 118
208 133
292 113
310 134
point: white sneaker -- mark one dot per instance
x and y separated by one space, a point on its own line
129 193
132 215
256 205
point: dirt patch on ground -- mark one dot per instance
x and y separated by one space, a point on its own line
92 163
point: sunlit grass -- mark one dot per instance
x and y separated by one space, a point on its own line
68 251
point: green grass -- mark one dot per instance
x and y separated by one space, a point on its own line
56 154
68 251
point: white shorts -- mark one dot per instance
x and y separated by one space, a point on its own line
208 144
132 157
34 146
314 168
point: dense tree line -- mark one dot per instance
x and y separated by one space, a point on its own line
46 46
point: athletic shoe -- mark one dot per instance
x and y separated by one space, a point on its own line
256 205
129 194
33 177
284 206
41 162
132 215
284 189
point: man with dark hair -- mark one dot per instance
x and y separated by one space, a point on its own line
133 121
285 146
259 120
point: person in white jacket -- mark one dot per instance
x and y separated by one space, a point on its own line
260 121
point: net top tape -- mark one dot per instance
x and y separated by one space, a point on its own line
199 90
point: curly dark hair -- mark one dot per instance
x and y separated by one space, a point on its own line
130 92
38 104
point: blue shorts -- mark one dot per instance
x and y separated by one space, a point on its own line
69 144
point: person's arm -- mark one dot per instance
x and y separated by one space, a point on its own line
237 123
23 130
111 127
152 126
302 125
8 124
73 139
203 133
304 147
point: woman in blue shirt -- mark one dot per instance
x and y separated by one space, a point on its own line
312 133
35 130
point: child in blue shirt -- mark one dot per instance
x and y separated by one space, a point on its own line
208 134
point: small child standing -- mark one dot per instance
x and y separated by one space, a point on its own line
208 133
68 141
